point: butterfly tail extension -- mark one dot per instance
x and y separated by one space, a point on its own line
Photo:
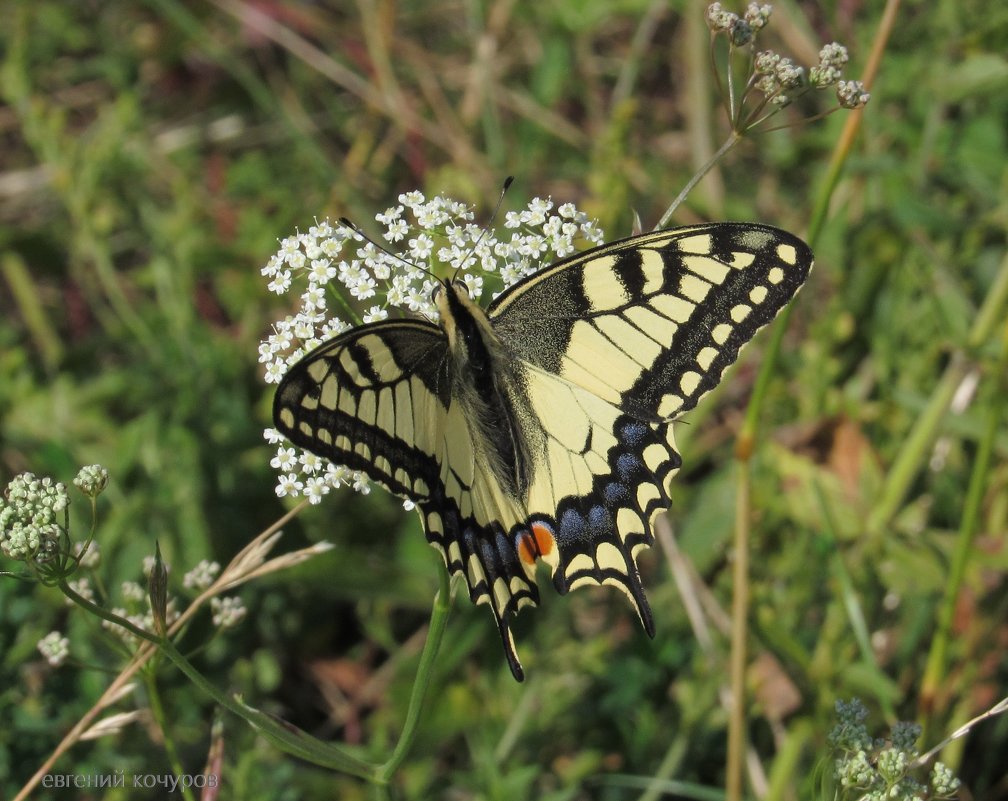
600 534
487 559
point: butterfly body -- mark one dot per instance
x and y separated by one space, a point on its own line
541 427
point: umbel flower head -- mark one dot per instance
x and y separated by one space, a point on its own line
336 271
35 522
33 518
772 81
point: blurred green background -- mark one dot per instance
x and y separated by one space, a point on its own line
151 155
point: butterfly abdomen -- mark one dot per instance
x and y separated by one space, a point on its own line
479 364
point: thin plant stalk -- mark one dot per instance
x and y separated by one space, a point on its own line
937 663
745 441
425 671
728 144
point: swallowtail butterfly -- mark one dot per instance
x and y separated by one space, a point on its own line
541 426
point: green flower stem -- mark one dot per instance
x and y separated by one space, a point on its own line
105 614
435 633
157 710
298 743
283 735
729 143
739 635
937 663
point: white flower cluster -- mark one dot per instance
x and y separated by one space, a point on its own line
227 612
55 648
30 525
201 576
426 238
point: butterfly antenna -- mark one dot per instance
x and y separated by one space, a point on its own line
346 223
507 185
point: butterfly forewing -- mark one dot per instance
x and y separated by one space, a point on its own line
372 399
650 323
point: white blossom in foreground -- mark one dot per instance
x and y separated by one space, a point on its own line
343 280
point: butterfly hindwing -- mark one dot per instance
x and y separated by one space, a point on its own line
614 342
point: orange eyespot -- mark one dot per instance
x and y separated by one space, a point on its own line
535 543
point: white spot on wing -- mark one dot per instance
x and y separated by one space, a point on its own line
787 253
758 294
740 312
721 332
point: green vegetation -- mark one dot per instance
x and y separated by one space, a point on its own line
151 155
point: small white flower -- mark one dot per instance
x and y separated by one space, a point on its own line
272 266
397 231
333 326
337 475
281 282
374 314
272 436
314 297
360 483
430 215
412 199
131 591
396 296
382 267
289 485
310 463
512 220
321 272
511 273
321 230
390 215
533 246
316 488
474 283
421 247
537 209
364 288
561 245
285 459
275 371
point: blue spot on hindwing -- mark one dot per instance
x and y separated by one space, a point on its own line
633 433
616 494
572 528
599 522
627 466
